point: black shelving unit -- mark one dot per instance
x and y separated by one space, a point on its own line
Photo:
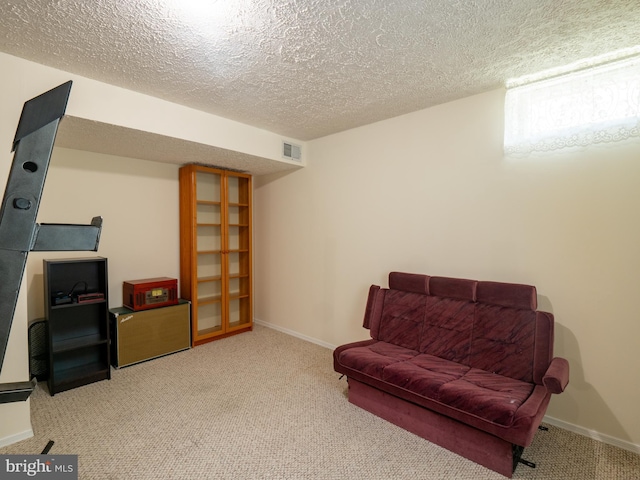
78 328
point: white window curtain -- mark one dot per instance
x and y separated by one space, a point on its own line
594 105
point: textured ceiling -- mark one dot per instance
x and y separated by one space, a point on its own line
308 68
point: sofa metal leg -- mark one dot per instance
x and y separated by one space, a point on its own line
517 458
517 453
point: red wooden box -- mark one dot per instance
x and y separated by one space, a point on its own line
150 293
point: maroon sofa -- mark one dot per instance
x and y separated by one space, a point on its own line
465 364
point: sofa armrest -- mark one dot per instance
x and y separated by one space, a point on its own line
556 377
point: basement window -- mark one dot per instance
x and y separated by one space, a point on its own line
590 105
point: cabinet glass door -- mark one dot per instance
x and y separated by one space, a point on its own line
238 259
208 238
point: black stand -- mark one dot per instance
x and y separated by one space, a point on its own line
47 447
518 450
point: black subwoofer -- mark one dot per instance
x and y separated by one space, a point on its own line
38 350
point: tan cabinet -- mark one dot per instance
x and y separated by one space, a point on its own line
215 251
147 334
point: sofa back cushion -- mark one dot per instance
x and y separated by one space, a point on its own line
503 341
508 333
491 326
448 321
402 318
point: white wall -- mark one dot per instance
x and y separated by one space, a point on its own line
15 420
430 192
427 192
139 203
138 200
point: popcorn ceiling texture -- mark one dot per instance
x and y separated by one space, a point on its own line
306 69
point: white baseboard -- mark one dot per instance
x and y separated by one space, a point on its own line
18 437
293 333
601 437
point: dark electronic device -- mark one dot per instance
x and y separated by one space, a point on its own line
90 297
62 299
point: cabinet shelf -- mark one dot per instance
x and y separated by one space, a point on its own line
217 252
213 278
237 324
207 202
209 332
79 342
74 377
211 299
76 305
238 275
235 296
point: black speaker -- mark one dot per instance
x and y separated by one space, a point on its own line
39 349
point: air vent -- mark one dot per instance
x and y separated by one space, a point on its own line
291 151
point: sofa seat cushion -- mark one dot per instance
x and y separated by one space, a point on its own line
372 359
486 395
424 374
507 408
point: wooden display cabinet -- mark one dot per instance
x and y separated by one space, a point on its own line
215 251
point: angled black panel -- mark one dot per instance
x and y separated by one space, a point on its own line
41 110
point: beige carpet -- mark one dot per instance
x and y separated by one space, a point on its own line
265 405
